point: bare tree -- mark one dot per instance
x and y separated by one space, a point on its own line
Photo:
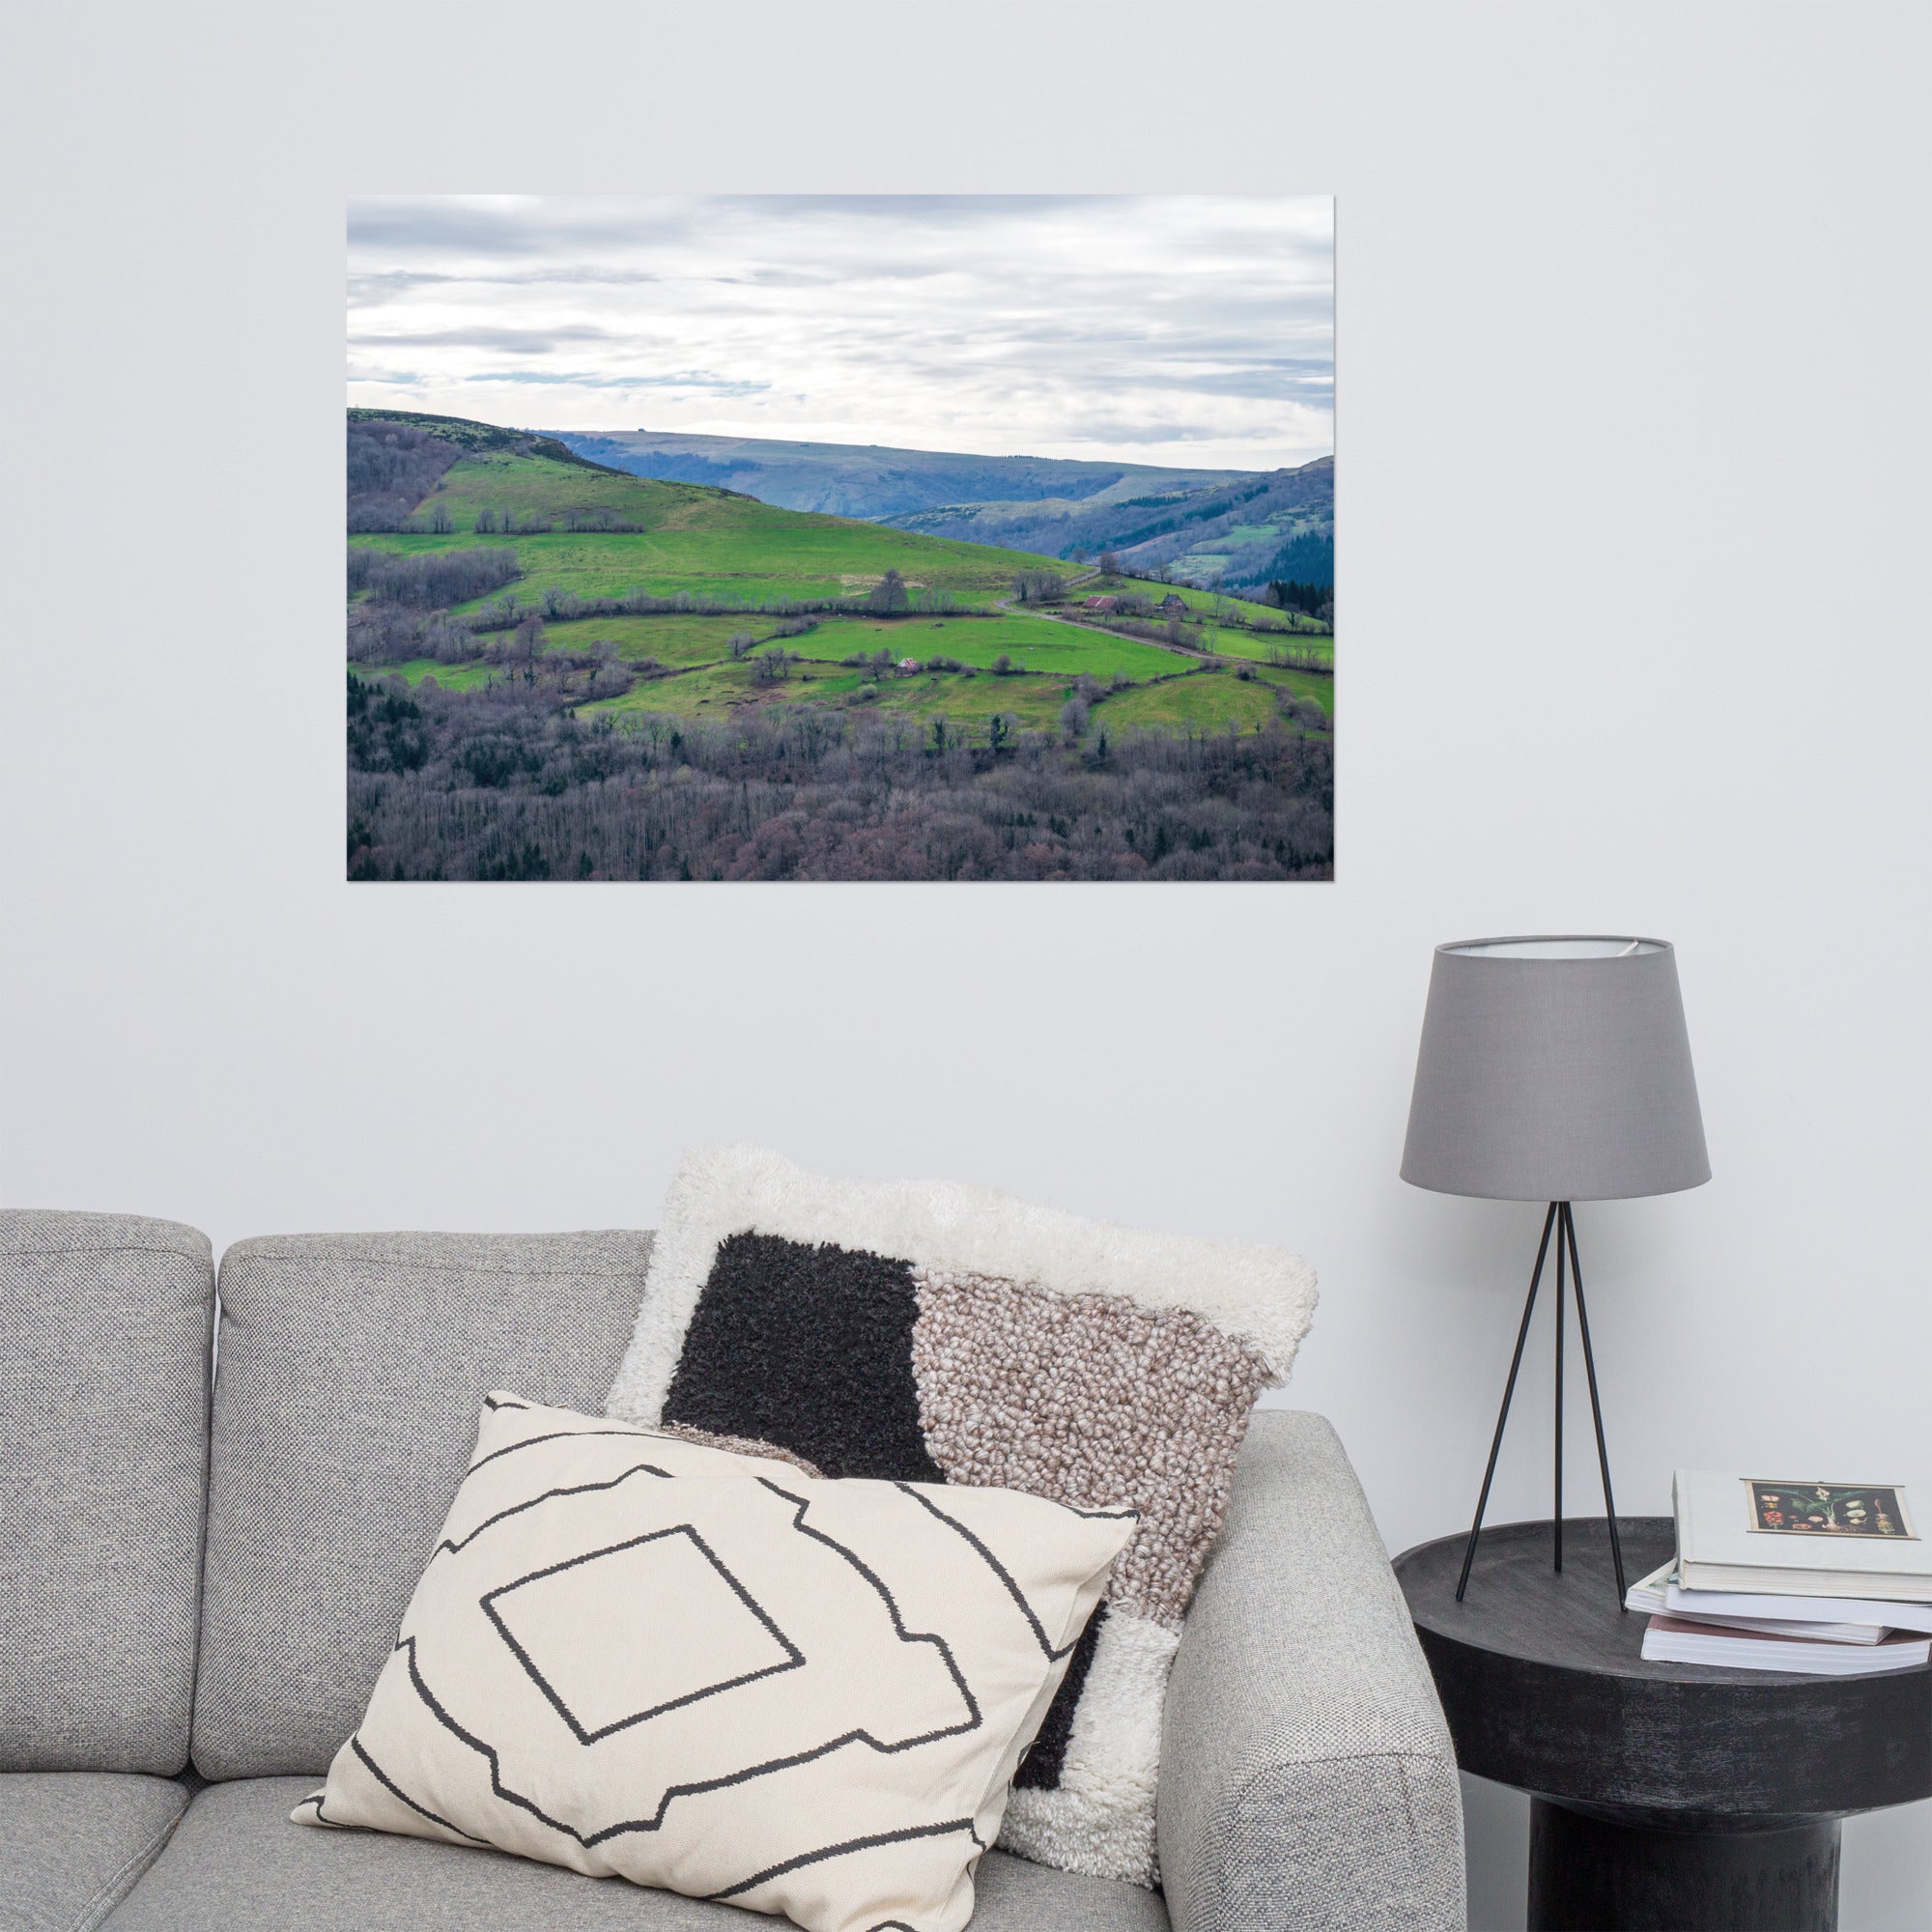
888 596
527 644
440 579
1039 586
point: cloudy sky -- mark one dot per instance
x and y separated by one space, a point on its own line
1189 330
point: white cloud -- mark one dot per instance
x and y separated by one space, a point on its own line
1193 329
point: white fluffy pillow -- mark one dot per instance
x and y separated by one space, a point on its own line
636 1655
929 1332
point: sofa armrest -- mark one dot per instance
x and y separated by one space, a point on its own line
1307 1780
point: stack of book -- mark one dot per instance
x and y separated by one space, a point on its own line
1826 1579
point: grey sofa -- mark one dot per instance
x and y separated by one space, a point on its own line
200 1573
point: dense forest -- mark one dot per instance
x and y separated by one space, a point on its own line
508 785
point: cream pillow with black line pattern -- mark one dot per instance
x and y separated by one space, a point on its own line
641 1655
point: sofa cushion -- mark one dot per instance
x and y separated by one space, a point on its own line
637 1654
103 1410
237 1864
71 1842
352 1368
929 1332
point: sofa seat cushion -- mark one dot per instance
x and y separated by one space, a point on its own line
71 1842
237 1864
345 1407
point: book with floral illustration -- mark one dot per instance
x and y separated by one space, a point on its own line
1808 1536
1828 1509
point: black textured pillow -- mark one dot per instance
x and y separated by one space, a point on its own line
928 1332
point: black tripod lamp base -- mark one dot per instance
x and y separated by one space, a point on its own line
1561 1223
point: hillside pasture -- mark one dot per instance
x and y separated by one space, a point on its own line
1303 683
1153 589
970 703
1207 700
674 639
696 539
1033 643
1236 640
723 690
451 677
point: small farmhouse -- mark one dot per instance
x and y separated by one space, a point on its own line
1102 603
1173 605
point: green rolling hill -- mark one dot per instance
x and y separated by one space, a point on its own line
581 527
576 535
1237 528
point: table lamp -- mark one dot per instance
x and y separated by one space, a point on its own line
1555 1070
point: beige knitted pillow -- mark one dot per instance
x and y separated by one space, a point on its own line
639 1656
930 1332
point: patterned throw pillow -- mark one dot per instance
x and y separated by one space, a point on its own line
639 1656
926 1332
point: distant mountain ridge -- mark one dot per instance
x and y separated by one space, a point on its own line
1241 531
875 482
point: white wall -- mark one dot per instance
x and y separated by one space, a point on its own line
1634 418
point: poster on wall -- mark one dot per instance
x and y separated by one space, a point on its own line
840 537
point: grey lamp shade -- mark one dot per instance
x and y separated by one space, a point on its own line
1556 1070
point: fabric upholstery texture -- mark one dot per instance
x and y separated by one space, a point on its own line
352 1368
237 1864
923 1332
103 1409
635 1654
73 1842
1307 1775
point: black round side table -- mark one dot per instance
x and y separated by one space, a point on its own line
1668 1797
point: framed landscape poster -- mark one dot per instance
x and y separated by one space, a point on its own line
830 537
